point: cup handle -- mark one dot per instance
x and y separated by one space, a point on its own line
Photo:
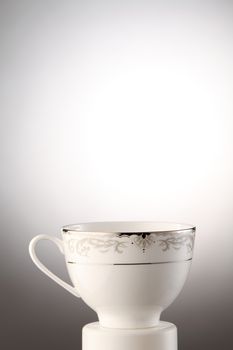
43 268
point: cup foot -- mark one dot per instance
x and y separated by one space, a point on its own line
161 337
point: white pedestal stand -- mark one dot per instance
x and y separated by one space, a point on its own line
161 337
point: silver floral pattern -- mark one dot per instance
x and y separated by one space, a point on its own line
143 241
82 247
176 242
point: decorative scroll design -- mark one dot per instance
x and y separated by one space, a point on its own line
144 242
164 240
176 242
82 247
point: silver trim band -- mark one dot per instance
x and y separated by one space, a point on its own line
126 264
125 233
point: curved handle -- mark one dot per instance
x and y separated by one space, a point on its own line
44 269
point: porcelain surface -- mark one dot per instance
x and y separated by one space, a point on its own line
128 272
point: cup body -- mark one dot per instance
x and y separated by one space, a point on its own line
128 272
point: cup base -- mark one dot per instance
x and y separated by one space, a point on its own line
161 337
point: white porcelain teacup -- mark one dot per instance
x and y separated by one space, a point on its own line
128 272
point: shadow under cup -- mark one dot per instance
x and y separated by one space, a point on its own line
128 272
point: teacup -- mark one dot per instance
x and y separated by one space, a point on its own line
128 272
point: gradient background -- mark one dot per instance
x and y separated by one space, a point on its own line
115 110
